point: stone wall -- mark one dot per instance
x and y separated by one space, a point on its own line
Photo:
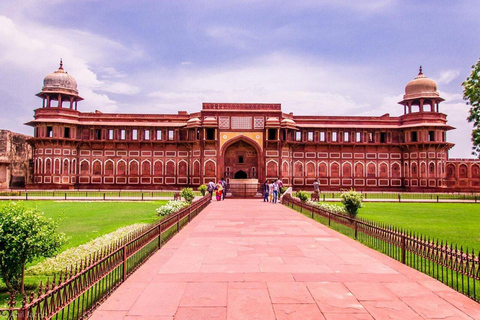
15 158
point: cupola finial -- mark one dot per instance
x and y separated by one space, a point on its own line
61 63
420 70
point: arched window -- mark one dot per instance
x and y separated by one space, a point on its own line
109 168
310 170
48 166
272 169
182 168
121 168
450 171
371 170
133 168
298 169
335 169
285 169
145 168
65 167
322 170
84 167
158 168
383 170
395 170
463 171
196 168
170 170
97 168
359 170
347 170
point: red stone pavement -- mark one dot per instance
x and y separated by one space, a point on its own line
246 259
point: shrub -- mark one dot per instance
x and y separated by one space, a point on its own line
329 207
352 200
203 189
171 207
69 257
187 194
25 234
302 195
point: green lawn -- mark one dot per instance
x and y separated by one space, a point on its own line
84 221
453 222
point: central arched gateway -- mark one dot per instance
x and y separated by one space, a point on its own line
241 160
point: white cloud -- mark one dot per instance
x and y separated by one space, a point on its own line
119 88
448 76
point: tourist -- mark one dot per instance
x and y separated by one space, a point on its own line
315 186
270 192
265 191
224 186
275 191
219 191
211 188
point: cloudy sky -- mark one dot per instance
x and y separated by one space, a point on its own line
323 57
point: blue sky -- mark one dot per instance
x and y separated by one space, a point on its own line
314 57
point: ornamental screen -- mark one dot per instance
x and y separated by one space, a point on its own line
242 123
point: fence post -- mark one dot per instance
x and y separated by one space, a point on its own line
189 213
437 198
22 314
399 198
104 196
159 235
356 228
323 197
313 209
26 196
124 262
178 222
403 248
475 199
65 196
328 218
301 207
142 196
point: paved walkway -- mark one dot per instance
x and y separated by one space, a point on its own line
245 259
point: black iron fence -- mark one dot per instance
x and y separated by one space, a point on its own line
89 195
453 265
244 190
406 197
75 293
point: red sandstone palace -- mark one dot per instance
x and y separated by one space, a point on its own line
74 149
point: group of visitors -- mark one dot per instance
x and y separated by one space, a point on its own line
219 188
271 191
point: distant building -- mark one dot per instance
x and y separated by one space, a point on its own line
74 149
15 158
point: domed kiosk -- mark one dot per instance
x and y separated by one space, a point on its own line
421 92
59 86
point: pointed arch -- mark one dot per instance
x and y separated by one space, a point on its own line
109 167
298 169
66 166
371 170
158 168
347 170
170 168
121 167
133 167
84 167
311 172
196 168
359 170
272 168
396 173
323 169
146 168
182 168
334 169
210 168
285 169
97 167
383 170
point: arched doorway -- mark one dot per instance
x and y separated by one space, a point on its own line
240 175
241 161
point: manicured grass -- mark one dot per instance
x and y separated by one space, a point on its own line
84 221
455 223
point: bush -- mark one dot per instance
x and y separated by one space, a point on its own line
329 207
25 234
171 207
187 194
352 200
203 189
302 195
71 256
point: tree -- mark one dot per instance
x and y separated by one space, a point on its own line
25 234
187 194
471 94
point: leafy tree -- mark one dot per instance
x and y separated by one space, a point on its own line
471 94
187 194
352 200
25 234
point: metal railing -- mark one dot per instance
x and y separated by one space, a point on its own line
448 263
140 195
406 197
75 293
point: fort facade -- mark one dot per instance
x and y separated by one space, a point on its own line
74 149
